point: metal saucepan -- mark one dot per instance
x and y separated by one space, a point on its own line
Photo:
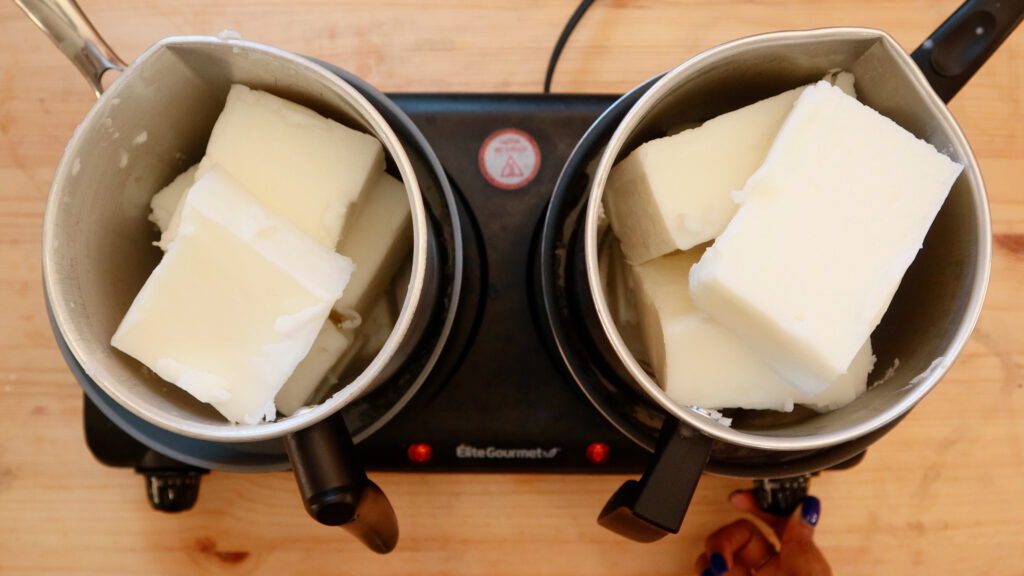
97 241
925 328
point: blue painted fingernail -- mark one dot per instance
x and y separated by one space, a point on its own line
708 572
718 564
811 510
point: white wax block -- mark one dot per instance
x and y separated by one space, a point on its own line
329 347
336 378
165 206
295 162
673 193
700 363
377 238
376 327
695 360
340 367
825 231
845 388
235 303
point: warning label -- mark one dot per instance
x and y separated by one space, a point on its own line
509 159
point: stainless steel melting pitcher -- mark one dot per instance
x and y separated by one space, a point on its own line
97 248
925 328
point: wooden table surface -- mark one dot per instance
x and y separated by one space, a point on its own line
942 494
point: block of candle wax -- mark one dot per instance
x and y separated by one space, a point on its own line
846 388
307 168
165 206
377 238
826 228
328 348
235 303
376 327
165 202
331 343
339 374
673 193
700 363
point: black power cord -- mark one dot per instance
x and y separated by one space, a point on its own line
566 32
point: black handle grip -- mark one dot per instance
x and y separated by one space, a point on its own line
647 510
334 486
958 48
375 523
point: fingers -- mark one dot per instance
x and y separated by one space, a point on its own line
799 555
744 501
734 548
737 568
703 565
800 525
741 547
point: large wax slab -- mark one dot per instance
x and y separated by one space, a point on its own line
235 303
698 362
674 193
825 231
298 164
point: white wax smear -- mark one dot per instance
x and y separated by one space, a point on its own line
714 415
228 35
888 373
935 367
352 319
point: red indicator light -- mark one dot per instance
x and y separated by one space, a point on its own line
598 452
420 453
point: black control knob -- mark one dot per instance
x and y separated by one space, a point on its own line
781 496
172 490
171 486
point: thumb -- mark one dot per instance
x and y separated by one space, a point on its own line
800 526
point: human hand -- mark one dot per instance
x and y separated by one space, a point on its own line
742 549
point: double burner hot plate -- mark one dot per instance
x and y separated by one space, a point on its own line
502 395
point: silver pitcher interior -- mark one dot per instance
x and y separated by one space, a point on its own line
940 298
151 124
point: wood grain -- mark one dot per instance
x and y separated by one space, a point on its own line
942 494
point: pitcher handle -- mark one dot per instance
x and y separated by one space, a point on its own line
70 30
958 48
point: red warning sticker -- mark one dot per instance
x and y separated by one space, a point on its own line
509 159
